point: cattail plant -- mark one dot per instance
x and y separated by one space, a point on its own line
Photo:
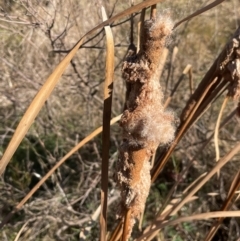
145 124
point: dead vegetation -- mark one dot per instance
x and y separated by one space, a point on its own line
195 177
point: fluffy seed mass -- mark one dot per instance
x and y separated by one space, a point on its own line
144 122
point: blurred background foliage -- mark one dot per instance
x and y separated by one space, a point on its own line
35 36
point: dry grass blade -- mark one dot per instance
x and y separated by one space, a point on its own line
185 71
194 182
190 80
167 206
35 107
20 231
163 60
219 165
140 25
217 130
108 88
202 216
182 130
200 11
227 204
209 88
167 210
117 232
173 58
234 185
36 187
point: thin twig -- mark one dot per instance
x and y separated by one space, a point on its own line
217 130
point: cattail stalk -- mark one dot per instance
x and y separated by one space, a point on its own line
144 122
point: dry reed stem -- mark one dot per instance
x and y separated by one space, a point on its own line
201 216
126 225
180 133
162 215
168 204
227 204
190 75
210 86
200 11
20 231
217 130
144 122
173 58
218 166
117 233
140 28
185 71
107 106
162 62
153 13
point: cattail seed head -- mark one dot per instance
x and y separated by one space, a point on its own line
144 122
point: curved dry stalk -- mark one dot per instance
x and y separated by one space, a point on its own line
173 58
140 26
167 206
218 166
35 107
227 204
217 130
117 233
20 231
57 165
163 61
201 216
209 100
190 75
180 133
200 11
185 71
210 87
107 106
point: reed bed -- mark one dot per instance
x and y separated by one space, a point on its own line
168 129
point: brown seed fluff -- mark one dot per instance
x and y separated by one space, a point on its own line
144 122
